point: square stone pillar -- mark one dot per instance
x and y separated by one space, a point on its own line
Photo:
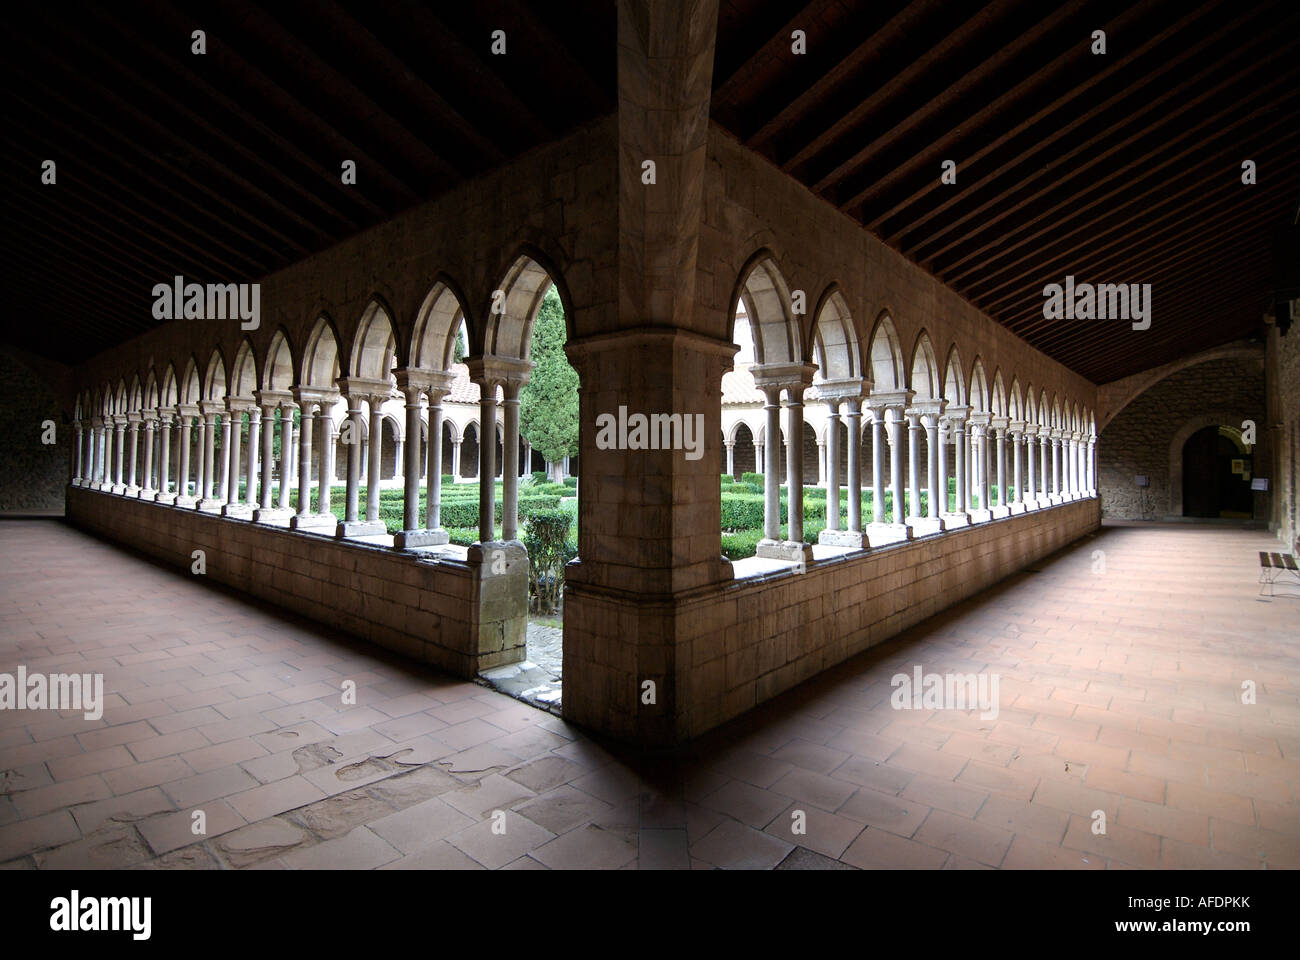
648 530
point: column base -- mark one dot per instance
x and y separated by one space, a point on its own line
981 516
356 528
854 539
784 550
145 493
117 488
1017 508
315 522
881 533
167 498
1054 499
925 526
410 539
132 491
952 521
185 502
1000 511
210 505
241 511
277 515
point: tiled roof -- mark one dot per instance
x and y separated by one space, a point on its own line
738 386
463 389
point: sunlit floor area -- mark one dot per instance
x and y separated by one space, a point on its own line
1146 716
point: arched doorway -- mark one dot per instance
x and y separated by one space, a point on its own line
1217 468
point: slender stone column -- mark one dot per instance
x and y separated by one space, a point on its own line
731 457
913 463
433 469
832 464
455 459
411 486
999 427
231 430
821 462
1017 467
944 434
510 453
1044 474
772 465
165 492
986 470
353 506
760 458
794 462
119 452
376 457
304 456
854 417
959 452
183 461
878 466
133 425
254 441
1001 435
80 448
979 467
209 455
1056 464
1031 460
150 422
106 454
933 472
1076 487
286 451
894 428
325 459
1092 466
270 413
487 434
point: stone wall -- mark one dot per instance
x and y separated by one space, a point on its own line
747 641
33 474
461 616
1138 441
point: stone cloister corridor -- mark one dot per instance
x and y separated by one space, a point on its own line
647 435
1120 692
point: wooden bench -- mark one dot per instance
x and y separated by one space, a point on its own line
1274 565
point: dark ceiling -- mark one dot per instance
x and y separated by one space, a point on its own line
1123 168
1115 168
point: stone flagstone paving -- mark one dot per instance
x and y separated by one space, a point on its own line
1120 681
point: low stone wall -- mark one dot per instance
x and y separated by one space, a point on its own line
723 650
461 616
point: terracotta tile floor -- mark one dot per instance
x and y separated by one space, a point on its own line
1120 678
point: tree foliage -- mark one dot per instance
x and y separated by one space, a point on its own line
549 401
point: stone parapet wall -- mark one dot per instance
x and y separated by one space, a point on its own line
439 611
721 651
